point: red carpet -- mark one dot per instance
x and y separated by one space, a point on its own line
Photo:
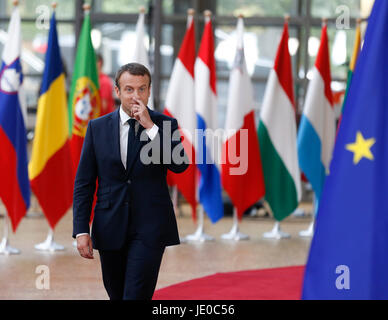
265 284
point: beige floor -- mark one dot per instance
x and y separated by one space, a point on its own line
72 277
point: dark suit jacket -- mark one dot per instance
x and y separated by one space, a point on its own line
135 200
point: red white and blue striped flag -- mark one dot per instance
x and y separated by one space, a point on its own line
316 133
207 153
180 105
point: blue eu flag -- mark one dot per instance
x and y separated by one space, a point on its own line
349 252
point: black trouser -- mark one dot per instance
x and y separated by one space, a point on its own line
132 272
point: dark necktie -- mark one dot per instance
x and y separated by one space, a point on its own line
131 138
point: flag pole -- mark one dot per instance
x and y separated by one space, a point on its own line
5 248
35 211
276 232
174 198
199 235
234 233
49 244
309 232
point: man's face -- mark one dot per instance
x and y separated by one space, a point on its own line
133 88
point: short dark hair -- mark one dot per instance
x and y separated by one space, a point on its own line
99 57
135 69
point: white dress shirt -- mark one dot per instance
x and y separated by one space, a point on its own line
124 128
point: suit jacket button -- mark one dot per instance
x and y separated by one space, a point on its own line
129 181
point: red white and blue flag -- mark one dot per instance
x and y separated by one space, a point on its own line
208 152
14 183
316 135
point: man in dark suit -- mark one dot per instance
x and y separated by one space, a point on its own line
129 152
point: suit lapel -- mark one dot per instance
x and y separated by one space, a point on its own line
115 129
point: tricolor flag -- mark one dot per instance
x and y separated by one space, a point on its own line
50 167
14 183
355 54
140 53
242 175
277 136
348 255
316 133
84 99
180 105
210 190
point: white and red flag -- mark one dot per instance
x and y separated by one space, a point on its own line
180 104
242 175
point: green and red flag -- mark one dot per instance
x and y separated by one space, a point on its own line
84 98
277 136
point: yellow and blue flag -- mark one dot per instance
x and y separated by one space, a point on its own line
349 252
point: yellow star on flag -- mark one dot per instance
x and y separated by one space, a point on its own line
361 148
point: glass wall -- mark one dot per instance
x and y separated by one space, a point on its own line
332 8
38 9
118 6
252 8
114 23
115 44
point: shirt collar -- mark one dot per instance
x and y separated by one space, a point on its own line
123 116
